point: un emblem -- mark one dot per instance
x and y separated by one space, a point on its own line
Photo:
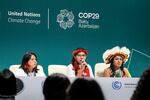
116 85
65 19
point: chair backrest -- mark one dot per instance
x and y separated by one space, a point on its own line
57 69
14 68
99 69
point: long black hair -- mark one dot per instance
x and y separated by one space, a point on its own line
113 68
25 59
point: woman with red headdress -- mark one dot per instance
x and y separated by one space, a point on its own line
78 66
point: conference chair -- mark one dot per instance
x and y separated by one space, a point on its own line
99 69
57 69
14 68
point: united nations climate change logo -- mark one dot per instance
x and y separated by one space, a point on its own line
116 85
65 19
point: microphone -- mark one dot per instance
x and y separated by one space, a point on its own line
82 60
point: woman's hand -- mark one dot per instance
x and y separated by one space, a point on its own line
82 67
